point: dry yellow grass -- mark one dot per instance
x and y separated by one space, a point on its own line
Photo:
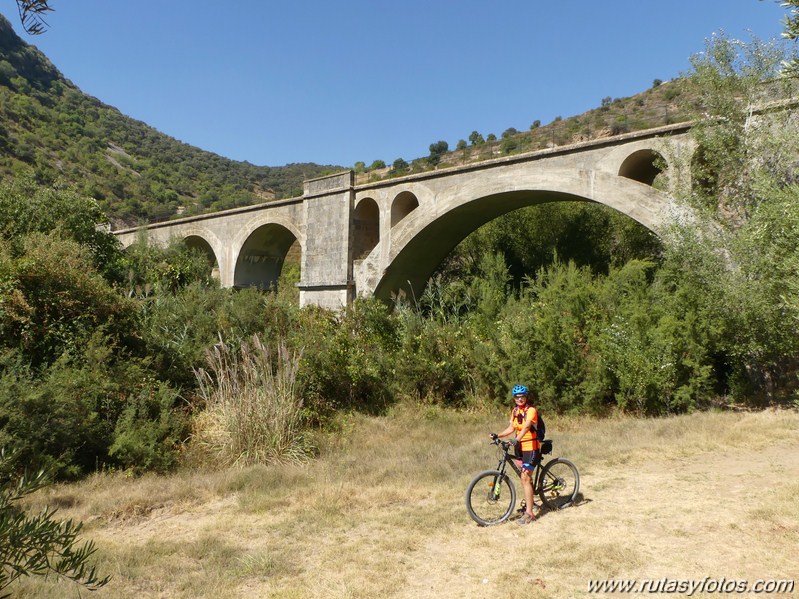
381 513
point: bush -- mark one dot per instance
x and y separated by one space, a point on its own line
54 300
177 329
348 358
29 207
149 431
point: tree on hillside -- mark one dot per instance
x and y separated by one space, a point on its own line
400 167
509 132
437 150
31 14
476 138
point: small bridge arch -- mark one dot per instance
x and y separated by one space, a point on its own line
199 243
263 248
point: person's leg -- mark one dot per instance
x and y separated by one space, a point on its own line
528 465
527 485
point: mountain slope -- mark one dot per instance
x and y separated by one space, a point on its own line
136 173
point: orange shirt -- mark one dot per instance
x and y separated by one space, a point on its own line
518 418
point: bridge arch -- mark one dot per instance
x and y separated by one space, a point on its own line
424 238
366 227
264 248
405 203
198 242
642 166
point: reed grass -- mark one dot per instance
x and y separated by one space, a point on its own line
253 409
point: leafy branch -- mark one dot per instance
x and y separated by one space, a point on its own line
38 545
31 14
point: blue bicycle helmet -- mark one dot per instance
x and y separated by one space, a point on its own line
519 390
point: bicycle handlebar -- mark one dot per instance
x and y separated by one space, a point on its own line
505 444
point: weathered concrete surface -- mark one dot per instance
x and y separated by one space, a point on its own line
378 238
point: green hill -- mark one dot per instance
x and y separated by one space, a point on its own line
136 173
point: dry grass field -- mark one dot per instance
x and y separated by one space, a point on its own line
381 513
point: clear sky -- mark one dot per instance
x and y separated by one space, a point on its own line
358 80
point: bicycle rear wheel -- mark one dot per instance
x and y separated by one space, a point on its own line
559 484
490 498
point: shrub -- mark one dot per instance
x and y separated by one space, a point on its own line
149 430
348 358
28 207
54 300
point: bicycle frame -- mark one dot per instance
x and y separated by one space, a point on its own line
507 458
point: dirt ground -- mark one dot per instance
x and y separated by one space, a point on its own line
684 518
713 512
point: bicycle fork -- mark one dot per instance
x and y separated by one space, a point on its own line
496 487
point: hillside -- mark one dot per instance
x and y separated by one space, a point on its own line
136 173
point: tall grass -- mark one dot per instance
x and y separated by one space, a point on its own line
253 408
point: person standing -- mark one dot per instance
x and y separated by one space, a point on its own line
523 424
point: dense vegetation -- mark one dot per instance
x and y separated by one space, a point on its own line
135 173
101 351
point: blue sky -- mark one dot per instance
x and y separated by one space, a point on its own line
339 82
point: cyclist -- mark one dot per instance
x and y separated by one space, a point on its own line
523 422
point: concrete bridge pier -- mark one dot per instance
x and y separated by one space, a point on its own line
326 271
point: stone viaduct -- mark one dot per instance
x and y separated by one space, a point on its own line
382 237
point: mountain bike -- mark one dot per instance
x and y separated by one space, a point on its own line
491 496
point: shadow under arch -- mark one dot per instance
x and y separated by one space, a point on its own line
643 166
196 242
262 256
410 270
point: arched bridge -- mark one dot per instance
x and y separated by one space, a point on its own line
381 237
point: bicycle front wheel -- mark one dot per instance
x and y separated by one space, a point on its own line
559 484
490 498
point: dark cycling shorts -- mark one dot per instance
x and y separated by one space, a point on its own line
529 458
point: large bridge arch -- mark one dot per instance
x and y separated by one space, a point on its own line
424 238
263 248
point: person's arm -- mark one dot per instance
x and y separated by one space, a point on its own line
506 432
